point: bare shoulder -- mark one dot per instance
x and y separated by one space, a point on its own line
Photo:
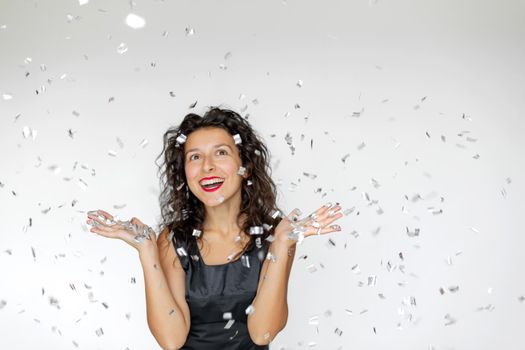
175 275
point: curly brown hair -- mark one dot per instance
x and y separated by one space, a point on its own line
181 211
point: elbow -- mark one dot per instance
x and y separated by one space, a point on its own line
265 337
170 346
171 343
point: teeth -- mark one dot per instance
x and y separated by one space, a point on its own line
210 182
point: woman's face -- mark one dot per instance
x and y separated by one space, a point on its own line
210 155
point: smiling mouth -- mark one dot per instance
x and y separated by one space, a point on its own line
212 187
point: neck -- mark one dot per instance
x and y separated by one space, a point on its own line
222 219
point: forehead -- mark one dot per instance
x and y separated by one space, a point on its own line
205 137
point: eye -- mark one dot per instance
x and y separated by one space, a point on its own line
222 150
193 155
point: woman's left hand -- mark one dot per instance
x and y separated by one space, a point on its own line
291 229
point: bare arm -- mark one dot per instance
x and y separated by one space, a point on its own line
167 310
164 279
270 303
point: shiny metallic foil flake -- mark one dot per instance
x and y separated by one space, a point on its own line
229 324
122 48
181 139
181 251
242 171
196 233
237 139
314 320
135 21
245 260
249 310
189 31
256 230
99 332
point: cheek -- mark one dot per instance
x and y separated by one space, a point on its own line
190 173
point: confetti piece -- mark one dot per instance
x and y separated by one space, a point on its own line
237 139
299 83
314 320
122 48
196 233
249 310
181 139
7 96
245 260
134 21
242 171
29 132
229 324
181 251
82 2
256 230
189 31
311 268
450 320
227 316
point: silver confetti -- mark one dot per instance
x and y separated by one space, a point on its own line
237 139
229 324
196 233
181 251
256 230
241 171
249 310
245 260
122 48
181 139
135 21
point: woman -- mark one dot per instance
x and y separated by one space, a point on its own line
217 275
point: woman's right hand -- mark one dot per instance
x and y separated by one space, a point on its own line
133 232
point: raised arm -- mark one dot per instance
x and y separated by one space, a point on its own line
270 303
167 310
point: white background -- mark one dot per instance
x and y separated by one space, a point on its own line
425 98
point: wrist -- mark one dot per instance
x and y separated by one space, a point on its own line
147 251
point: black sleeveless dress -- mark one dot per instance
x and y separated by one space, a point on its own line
212 291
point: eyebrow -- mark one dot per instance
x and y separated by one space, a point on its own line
216 146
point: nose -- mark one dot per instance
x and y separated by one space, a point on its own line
208 165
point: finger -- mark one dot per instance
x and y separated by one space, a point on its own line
323 216
323 230
98 222
106 214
